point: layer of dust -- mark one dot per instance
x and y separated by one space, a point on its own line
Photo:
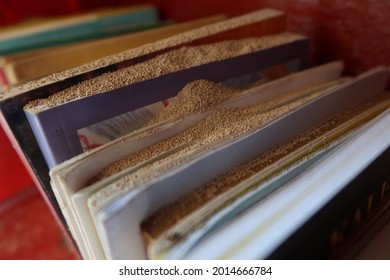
166 63
169 215
196 97
221 125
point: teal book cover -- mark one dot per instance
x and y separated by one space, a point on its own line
132 21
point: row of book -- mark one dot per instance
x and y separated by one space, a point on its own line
39 47
219 142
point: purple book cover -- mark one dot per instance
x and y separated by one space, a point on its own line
56 128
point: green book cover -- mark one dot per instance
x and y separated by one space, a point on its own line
132 21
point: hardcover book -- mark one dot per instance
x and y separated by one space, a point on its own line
55 121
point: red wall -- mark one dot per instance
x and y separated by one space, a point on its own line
13 176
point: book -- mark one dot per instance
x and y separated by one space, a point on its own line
100 24
55 127
5 82
26 66
326 184
70 179
144 189
360 234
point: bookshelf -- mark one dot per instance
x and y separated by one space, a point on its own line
356 32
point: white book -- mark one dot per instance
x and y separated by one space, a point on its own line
221 209
119 209
261 229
